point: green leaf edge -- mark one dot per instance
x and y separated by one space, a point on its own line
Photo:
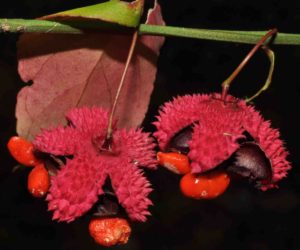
114 11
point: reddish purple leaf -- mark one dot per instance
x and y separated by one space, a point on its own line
84 70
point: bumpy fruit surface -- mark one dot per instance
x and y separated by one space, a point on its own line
22 151
38 181
204 186
109 231
175 162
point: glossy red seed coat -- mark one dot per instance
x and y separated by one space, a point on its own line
109 231
22 151
38 181
204 186
175 162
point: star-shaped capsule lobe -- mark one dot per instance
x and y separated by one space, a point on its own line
76 187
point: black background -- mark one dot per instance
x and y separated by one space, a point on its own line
243 218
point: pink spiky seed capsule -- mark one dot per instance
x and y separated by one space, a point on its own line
77 185
218 136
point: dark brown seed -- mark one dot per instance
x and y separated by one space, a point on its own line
179 143
251 162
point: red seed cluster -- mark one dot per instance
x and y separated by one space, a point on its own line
38 180
198 186
109 231
22 151
204 186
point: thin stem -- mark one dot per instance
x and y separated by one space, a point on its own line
110 121
237 36
226 84
271 57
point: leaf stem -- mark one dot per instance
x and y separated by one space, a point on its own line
237 36
130 54
226 84
271 57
